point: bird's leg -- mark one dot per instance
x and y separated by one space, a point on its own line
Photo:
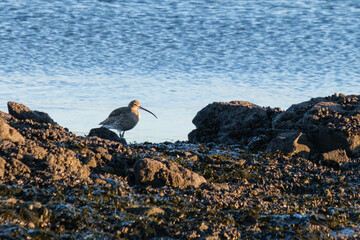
122 135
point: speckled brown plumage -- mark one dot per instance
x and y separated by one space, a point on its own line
124 118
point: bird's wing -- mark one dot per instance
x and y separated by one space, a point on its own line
116 115
117 112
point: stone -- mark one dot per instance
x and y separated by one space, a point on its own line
155 173
290 143
66 165
235 122
10 133
105 133
6 117
335 158
22 112
17 167
331 122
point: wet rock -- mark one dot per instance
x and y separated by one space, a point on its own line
150 172
335 158
8 132
106 134
330 122
230 123
290 143
22 112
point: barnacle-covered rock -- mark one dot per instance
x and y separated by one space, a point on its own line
151 172
17 167
331 122
22 112
8 132
66 165
6 117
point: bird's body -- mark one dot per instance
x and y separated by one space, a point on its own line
124 118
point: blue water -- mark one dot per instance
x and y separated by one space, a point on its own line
78 60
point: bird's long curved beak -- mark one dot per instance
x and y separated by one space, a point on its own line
147 111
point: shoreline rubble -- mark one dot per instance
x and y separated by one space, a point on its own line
54 184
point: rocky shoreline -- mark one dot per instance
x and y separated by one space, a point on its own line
246 172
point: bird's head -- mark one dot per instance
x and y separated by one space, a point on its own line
134 104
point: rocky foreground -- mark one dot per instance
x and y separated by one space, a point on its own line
278 177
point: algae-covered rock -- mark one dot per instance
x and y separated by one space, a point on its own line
165 173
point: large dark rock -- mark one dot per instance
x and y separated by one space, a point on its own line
331 122
150 172
105 133
22 112
235 122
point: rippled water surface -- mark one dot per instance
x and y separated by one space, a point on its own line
78 60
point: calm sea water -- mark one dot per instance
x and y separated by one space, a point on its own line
78 60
